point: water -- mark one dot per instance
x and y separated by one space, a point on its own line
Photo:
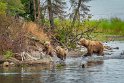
115 53
111 71
107 8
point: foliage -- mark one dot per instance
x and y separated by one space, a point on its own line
32 10
28 7
70 35
3 7
13 7
8 54
91 29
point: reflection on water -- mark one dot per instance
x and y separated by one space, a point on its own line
111 71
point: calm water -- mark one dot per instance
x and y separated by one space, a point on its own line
111 71
107 8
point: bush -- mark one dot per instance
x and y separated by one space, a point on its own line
5 44
3 7
12 35
8 54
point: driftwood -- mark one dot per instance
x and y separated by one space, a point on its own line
28 60
14 60
27 56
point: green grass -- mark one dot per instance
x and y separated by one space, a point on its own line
113 26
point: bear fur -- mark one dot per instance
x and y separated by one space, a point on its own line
92 47
61 53
48 48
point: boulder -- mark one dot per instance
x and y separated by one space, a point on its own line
6 64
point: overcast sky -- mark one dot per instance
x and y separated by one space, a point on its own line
107 8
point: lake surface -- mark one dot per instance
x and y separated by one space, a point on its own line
111 71
107 8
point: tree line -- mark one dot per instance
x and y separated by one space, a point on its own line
39 10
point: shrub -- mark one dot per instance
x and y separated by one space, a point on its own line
8 54
12 35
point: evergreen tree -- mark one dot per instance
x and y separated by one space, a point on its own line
79 10
54 9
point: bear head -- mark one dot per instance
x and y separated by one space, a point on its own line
83 42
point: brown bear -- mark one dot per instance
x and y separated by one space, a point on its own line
61 53
48 48
92 46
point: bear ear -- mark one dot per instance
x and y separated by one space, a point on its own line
82 39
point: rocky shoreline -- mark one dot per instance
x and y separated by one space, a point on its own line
48 61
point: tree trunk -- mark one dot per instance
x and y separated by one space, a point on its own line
34 5
39 11
76 13
50 14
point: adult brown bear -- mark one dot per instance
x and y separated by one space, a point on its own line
92 47
61 53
